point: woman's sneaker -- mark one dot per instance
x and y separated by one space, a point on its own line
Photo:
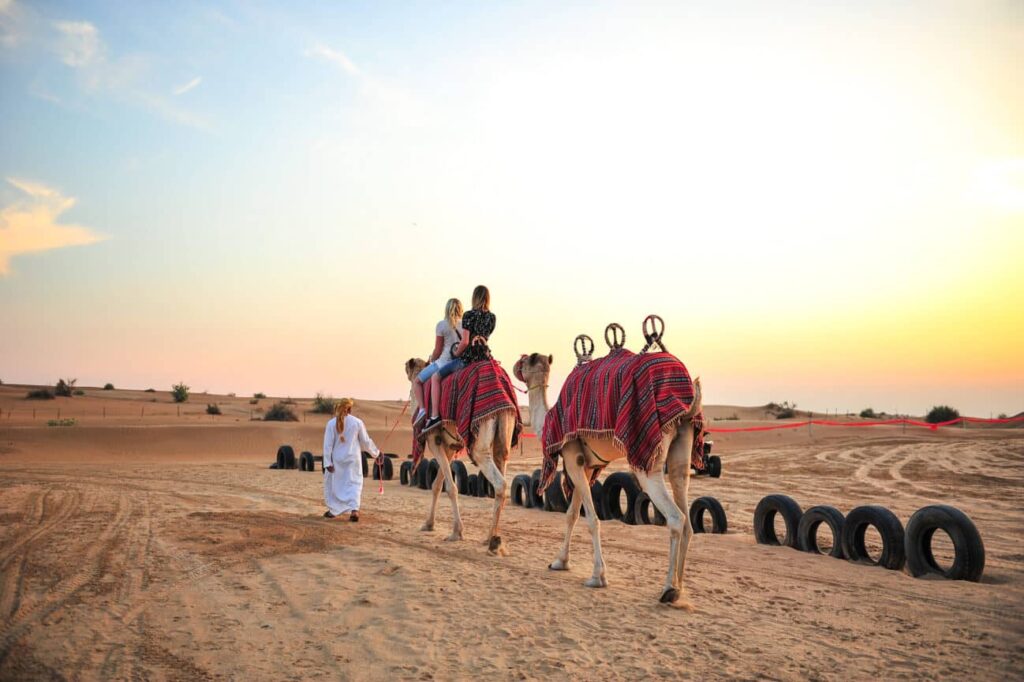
420 414
431 424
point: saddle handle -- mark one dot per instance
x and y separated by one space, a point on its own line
615 336
654 329
580 347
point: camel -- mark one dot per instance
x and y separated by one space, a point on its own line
585 456
490 454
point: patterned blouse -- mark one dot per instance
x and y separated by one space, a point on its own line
477 323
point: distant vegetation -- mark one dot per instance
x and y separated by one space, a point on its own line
868 413
280 412
150 390
323 404
259 396
64 387
108 387
213 408
40 394
254 401
941 413
1002 415
786 410
288 401
61 422
179 392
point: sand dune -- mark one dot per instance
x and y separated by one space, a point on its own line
162 547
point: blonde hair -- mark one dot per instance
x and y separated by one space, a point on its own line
453 312
342 408
481 298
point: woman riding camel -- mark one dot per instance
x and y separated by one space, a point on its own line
345 438
477 327
441 362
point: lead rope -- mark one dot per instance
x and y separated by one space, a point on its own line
380 460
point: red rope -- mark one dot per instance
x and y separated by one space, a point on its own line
886 422
380 460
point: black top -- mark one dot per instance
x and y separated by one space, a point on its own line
477 323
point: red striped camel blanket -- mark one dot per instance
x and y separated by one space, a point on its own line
634 398
468 396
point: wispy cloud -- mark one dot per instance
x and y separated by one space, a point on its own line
79 43
336 57
9 34
30 224
192 84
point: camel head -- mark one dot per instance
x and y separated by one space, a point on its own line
414 366
533 369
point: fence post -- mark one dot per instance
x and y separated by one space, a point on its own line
104 411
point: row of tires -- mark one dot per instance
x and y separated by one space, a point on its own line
306 461
706 513
910 548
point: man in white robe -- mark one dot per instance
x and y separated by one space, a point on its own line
343 480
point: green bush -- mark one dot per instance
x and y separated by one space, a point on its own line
1002 415
179 392
61 422
259 396
212 409
64 387
280 412
78 391
868 413
254 401
323 404
150 390
108 387
40 394
941 413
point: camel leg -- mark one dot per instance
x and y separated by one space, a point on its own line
679 477
654 485
436 488
574 468
572 515
485 456
453 495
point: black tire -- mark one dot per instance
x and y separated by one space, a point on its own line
483 486
646 513
969 562
715 466
385 469
274 466
536 499
554 496
366 464
764 520
433 471
423 475
719 522
471 484
403 472
520 490
391 455
461 475
807 530
285 457
597 495
889 527
306 462
614 485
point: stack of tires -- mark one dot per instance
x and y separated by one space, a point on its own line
910 548
285 458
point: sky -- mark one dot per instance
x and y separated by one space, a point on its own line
824 201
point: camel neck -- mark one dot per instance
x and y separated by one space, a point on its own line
538 398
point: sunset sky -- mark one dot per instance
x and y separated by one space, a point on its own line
824 201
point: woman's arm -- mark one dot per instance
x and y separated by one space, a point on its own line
463 342
438 349
329 446
366 442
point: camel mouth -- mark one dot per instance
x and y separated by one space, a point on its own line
517 369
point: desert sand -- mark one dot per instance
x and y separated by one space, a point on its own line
140 544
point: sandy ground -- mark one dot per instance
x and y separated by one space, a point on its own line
161 547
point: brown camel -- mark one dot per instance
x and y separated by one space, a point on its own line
585 455
490 454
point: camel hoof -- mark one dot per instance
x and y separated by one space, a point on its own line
669 596
559 565
454 537
596 582
427 527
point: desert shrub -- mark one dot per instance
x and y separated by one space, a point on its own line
323 404
212 408
259 396
868 413
786 413
941 413
231 395
1002 415
108 387
61 422
254 401
786 410
280 412
179 392
150 390
40 394
78 391
288 401
64 387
